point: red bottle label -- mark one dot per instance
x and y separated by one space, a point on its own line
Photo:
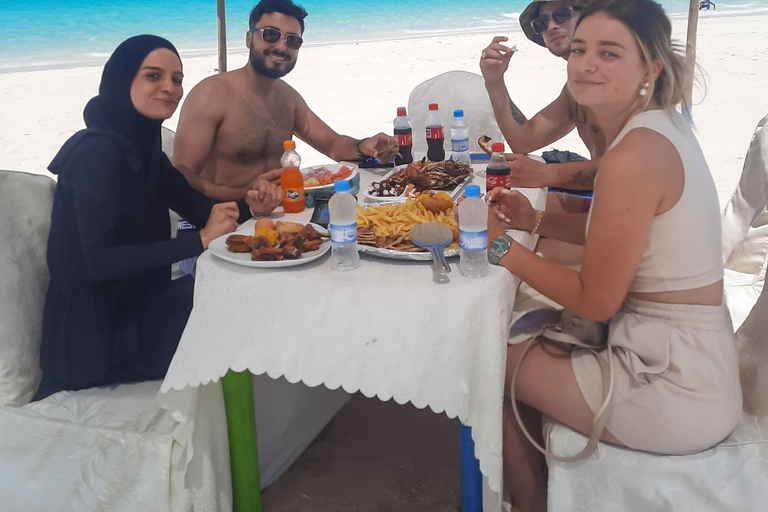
491 182
405 139
435 133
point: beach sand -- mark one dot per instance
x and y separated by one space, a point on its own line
355 88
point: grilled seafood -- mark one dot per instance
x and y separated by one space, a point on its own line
420 176
239 243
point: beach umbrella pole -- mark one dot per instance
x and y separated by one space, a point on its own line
690 50
220 14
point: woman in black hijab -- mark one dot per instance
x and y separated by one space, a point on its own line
112 313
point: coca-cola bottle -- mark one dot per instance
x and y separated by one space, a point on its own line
497 172
404 136
435 135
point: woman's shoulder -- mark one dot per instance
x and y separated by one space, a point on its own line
89 151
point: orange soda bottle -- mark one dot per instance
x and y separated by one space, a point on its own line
292 181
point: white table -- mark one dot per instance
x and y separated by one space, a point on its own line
386 330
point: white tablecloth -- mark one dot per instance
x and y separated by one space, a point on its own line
386 330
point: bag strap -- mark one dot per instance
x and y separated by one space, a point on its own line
601 417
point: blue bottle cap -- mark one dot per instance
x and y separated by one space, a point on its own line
341 186
472 191
458 113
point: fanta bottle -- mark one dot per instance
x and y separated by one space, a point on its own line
292 181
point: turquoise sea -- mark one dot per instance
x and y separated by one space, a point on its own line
37 34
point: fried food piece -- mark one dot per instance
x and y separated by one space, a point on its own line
436 203
269 234
259 242
267 254
286 230
485 144
239 243
311 245
291 252
310 233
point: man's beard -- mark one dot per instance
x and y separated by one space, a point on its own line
258 63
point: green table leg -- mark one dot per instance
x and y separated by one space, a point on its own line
243 452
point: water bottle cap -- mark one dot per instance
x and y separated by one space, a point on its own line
497 147
289 144
401 111
341 186
472 191
458 113
433 106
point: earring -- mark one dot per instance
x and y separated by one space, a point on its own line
644 90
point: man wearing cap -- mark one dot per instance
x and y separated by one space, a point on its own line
550 24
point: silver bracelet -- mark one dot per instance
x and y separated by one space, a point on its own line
538 223
257 215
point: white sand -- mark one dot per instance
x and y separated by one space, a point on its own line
356 88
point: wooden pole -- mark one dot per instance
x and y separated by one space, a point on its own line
690 49
222 36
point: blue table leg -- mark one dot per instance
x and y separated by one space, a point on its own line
471 478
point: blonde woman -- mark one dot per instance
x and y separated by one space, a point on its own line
652 264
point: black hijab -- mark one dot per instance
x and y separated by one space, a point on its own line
113 109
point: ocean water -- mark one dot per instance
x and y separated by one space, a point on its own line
38 34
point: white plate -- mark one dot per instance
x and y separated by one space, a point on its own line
332 168
400 255
401 197
389 199
219 249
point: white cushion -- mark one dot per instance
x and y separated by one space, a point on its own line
25 213
732 476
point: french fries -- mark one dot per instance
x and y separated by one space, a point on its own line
399 218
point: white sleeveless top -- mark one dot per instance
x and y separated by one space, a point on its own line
684 248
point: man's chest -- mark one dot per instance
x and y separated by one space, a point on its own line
254 131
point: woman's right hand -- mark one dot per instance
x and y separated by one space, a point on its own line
512 208
495 58
222 220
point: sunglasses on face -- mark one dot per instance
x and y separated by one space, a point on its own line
271 35
559 16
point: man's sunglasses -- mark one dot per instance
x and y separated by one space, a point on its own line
271 35
559 15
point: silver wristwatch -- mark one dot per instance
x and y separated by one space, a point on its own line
499 247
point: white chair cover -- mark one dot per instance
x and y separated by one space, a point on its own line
167 137
745 230
452 90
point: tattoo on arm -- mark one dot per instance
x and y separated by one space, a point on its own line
583 178
516 114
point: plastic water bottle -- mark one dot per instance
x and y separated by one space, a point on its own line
460 137
435 135
473 234
404 135
343 227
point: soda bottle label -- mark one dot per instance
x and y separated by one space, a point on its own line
343 234
459 145
405 139
292 195
493 181
435 133
474 241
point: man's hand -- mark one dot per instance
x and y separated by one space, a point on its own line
272 176
264 197
526 172
381 146
512 208
222 220
494 60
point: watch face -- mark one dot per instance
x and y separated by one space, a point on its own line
499 246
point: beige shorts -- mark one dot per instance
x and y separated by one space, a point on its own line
676 371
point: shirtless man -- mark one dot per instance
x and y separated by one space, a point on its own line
232 125
550 24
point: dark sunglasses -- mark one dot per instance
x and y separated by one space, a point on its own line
559 16
271 35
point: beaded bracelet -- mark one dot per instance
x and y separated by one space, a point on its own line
538 223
